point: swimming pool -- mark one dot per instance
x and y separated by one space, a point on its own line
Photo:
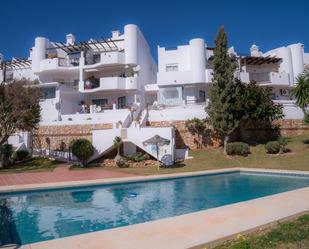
33 216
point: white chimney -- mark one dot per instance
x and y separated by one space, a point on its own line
254 50
115 34
70 39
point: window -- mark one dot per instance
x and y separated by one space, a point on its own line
171 67
202 96
99 102
170 93
49 92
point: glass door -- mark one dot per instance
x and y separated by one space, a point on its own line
122 102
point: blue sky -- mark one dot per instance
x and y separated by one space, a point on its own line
268 23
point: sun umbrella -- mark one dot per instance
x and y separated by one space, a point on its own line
157 141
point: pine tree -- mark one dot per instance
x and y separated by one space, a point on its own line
224 107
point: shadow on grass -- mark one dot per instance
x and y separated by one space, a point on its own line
176 165
306 141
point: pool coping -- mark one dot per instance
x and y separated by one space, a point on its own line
184 231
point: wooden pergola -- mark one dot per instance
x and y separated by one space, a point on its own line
97 45
16 63
259 60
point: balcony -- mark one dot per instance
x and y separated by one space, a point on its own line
108 58
91 84
113 58
110 83
60 64
243 76
270 78
174 77
181 77
63 62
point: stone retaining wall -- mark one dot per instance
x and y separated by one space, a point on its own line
185 139
63 133
66 133
293 127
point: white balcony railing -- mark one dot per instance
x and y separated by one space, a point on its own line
110 83
270 78
174 77
57 63
260 77
115 57
108 58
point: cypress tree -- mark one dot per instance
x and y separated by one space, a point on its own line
224 107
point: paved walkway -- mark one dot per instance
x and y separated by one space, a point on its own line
60 174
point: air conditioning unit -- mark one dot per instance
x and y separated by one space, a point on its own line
284 92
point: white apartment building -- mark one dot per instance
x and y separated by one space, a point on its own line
112 81
91 77
99 81
185 75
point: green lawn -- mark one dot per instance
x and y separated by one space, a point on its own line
286 235
35 164
297 159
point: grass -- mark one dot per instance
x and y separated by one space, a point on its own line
296 159
286 235
35 164
89 166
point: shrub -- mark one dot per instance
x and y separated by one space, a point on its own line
306 118
138 157
6 151
117 145
272 147
121 163
20 155
283 141
238 148
62 146
82 149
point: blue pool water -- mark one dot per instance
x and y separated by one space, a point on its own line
28 217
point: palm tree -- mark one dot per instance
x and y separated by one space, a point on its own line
301 91
117 145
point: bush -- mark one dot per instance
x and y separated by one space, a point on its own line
122 163
20 155
6 152
238 148
306 118
82 149
138 157
272 147
283 141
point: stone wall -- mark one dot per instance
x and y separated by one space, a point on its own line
293 127
185 139
66 133
63 133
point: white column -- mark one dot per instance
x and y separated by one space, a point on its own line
198 60
297 51
81 71
130 36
